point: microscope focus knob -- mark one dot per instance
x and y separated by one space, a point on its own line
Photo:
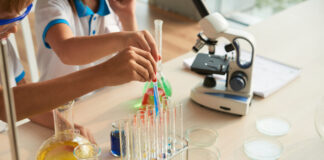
238 81
229 47
209 81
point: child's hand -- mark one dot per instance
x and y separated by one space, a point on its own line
130 64
123 7
141 39
85 133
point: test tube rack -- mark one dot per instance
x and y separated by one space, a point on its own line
152 135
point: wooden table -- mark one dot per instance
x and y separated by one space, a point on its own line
294 37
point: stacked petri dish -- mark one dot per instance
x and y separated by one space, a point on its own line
267 146
200 141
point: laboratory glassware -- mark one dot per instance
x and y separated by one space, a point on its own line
87 152
273 125
201 137
119 137
151 136
65 139
164 87
8 99
261 147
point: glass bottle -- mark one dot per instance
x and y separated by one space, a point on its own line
62 143
164 86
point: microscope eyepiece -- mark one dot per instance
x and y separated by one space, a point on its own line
201 7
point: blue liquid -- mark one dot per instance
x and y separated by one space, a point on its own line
156 97
115 143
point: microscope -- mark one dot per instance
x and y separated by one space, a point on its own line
234 94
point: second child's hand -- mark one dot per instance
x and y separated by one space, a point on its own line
123 7
125 10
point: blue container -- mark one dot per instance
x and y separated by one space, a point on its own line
115 143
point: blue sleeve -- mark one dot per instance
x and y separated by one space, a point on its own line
20 77
48 26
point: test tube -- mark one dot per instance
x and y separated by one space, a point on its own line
158 38
166 104
124 139
152 132
157 135
141 120
179 124
148 114
132 131
164 130
171 130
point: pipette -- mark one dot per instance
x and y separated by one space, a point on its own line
158 38
156 96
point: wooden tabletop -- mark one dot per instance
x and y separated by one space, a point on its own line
293 37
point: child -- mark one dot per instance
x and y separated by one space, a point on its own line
34 98
74 34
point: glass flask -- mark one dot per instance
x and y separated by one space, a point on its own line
164 86
62 143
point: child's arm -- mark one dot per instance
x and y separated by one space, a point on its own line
84 50
125 9
34 98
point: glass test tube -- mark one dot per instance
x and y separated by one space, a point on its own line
132 138
172 136
124 139
141 120
158 38
148 113
179 124
166 104
153 133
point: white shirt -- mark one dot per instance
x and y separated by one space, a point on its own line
16 74
82 23
16 69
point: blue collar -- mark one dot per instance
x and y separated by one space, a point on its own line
84 10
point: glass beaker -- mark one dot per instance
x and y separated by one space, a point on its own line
115 134
164 86
87 152
65 139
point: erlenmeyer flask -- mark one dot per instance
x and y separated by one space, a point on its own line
164 86
65 139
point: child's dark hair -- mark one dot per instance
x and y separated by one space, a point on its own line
14 5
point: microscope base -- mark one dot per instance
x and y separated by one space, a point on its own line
224 102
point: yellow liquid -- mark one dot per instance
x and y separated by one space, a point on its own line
58 151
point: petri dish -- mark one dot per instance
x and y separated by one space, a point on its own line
262 148
201 137
203 154
273 125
